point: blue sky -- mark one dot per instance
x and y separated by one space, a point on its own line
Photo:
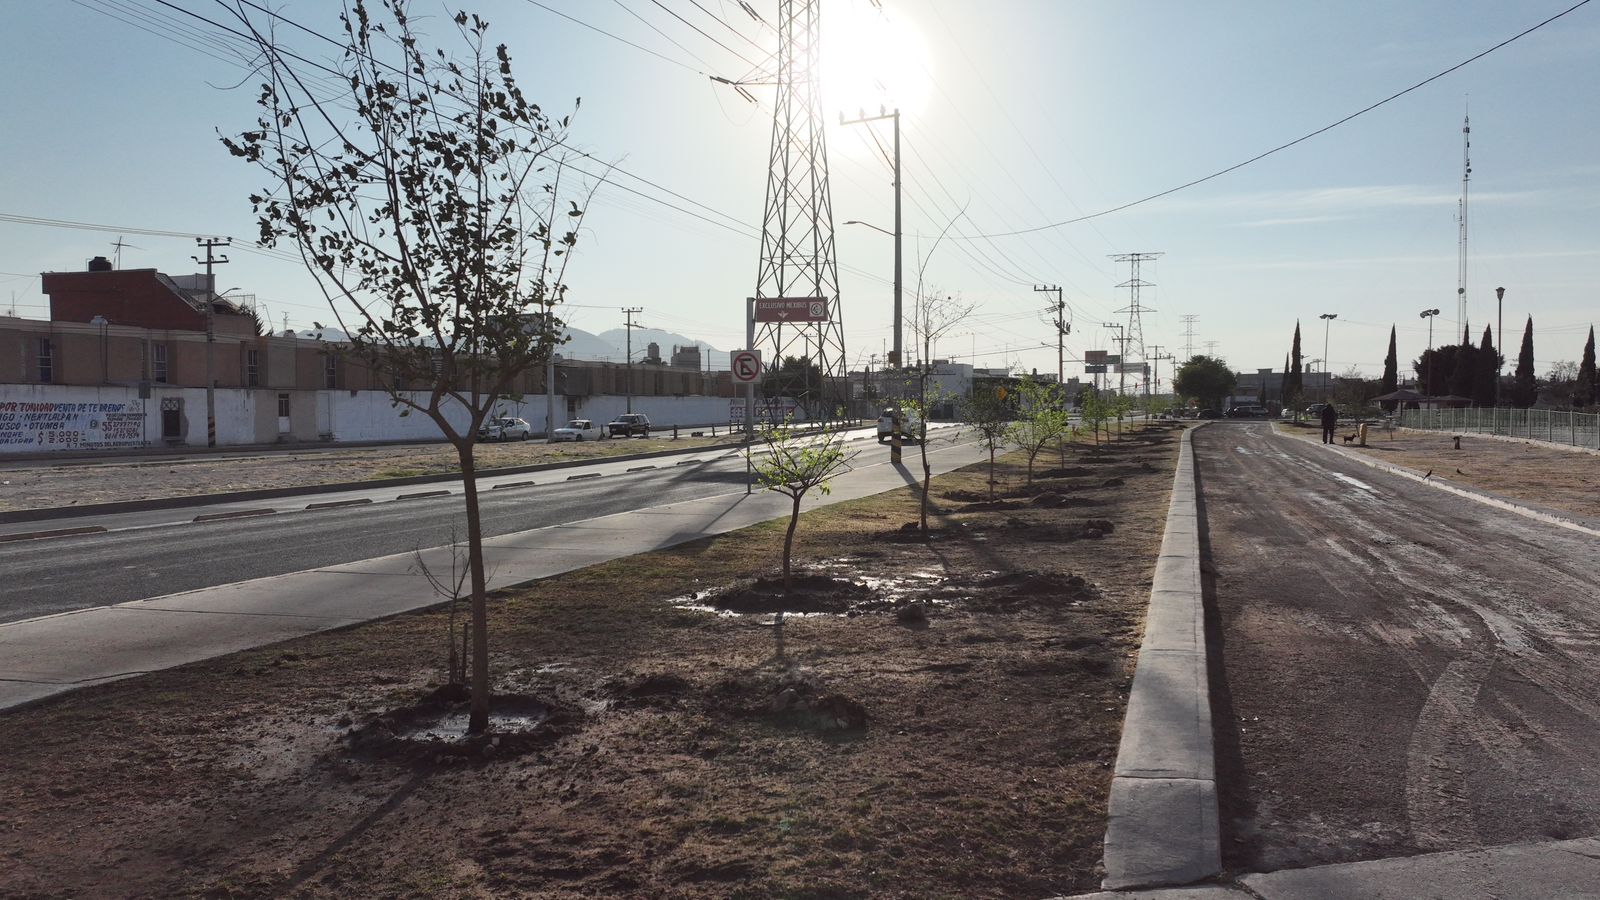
1027 113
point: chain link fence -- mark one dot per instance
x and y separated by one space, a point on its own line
1559 426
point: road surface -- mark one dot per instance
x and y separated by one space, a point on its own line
1397 669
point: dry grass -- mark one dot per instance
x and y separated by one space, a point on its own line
1528 471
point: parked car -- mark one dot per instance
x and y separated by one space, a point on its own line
504 429
577 430
628 425
1247 411
910 426
1209 413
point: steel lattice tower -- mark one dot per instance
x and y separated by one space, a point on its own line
1134 336
797 248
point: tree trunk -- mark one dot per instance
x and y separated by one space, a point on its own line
991 471
788 545
927 478
479 720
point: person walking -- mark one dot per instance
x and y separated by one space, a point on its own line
1330 418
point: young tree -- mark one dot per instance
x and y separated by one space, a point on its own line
1391 373
792 464
1208 380
933 315
1525 390
1041 419
988 411
1094 409
426 201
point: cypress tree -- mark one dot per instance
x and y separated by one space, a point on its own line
1296 388
1464 375
1526 390
1391 373
1487 359
1283 384
1586 392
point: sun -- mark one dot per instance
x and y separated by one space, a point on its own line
871 61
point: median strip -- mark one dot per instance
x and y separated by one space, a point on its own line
55 532
513 484
333 504
421 494
641 468
584 475
236 514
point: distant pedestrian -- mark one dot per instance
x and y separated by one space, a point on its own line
1330 418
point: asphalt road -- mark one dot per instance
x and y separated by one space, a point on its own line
1395 669
66 573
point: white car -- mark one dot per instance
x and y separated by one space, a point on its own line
504 429
577 430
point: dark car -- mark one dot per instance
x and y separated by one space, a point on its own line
628 425
1209 413
1248 411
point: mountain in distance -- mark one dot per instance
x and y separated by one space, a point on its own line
611 345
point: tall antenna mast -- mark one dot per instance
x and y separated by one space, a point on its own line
797 281
1466 179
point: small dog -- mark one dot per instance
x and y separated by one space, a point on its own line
1349 438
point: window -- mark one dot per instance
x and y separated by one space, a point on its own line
46 361
330 372
283 406
252 368
159 363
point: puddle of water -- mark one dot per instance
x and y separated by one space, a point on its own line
453 726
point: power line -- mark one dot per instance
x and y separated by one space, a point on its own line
1299 140
703 33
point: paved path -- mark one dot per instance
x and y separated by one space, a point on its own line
49 655
1401 669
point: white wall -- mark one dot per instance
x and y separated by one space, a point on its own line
38 418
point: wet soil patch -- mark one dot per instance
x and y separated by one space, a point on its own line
792 698
806 593
434 730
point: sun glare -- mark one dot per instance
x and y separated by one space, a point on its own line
869 61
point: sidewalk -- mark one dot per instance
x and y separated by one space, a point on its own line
1566 869
55 654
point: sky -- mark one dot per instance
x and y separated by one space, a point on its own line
1017 115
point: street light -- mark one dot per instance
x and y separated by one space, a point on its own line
1429 314
898 358
1499 339
1327 322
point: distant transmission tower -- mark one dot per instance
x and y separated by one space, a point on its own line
1134 337
1188 336
797 263
1461 265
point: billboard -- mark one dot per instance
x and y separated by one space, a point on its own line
1094 357
791 309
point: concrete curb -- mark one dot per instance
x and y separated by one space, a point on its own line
1162 826
1507 438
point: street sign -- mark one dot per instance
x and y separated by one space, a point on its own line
746 366
791 309
1094 357
1094 370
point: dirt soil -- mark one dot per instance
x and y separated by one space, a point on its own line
1540 475
938 719
31 485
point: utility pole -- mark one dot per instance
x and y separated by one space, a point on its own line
1063 328
1122 349
211 331
1188 336
628 312
1155 377
1466 179
897 359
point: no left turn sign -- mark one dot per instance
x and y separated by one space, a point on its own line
746 366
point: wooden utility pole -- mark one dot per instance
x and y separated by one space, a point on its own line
211 331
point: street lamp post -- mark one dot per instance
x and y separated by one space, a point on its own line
896 356
1327 322
1499 339
1429 314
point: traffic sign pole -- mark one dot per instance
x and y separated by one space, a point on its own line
749 397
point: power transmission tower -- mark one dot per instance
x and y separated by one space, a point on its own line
1063 328
628 326
1135 332
1188 336
797 249
1211 349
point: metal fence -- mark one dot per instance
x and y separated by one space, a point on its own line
1557 426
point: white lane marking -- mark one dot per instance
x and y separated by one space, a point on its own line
1244 451
1356 482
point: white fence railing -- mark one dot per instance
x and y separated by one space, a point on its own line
1557 426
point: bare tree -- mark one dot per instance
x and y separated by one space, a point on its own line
426 199
933 315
